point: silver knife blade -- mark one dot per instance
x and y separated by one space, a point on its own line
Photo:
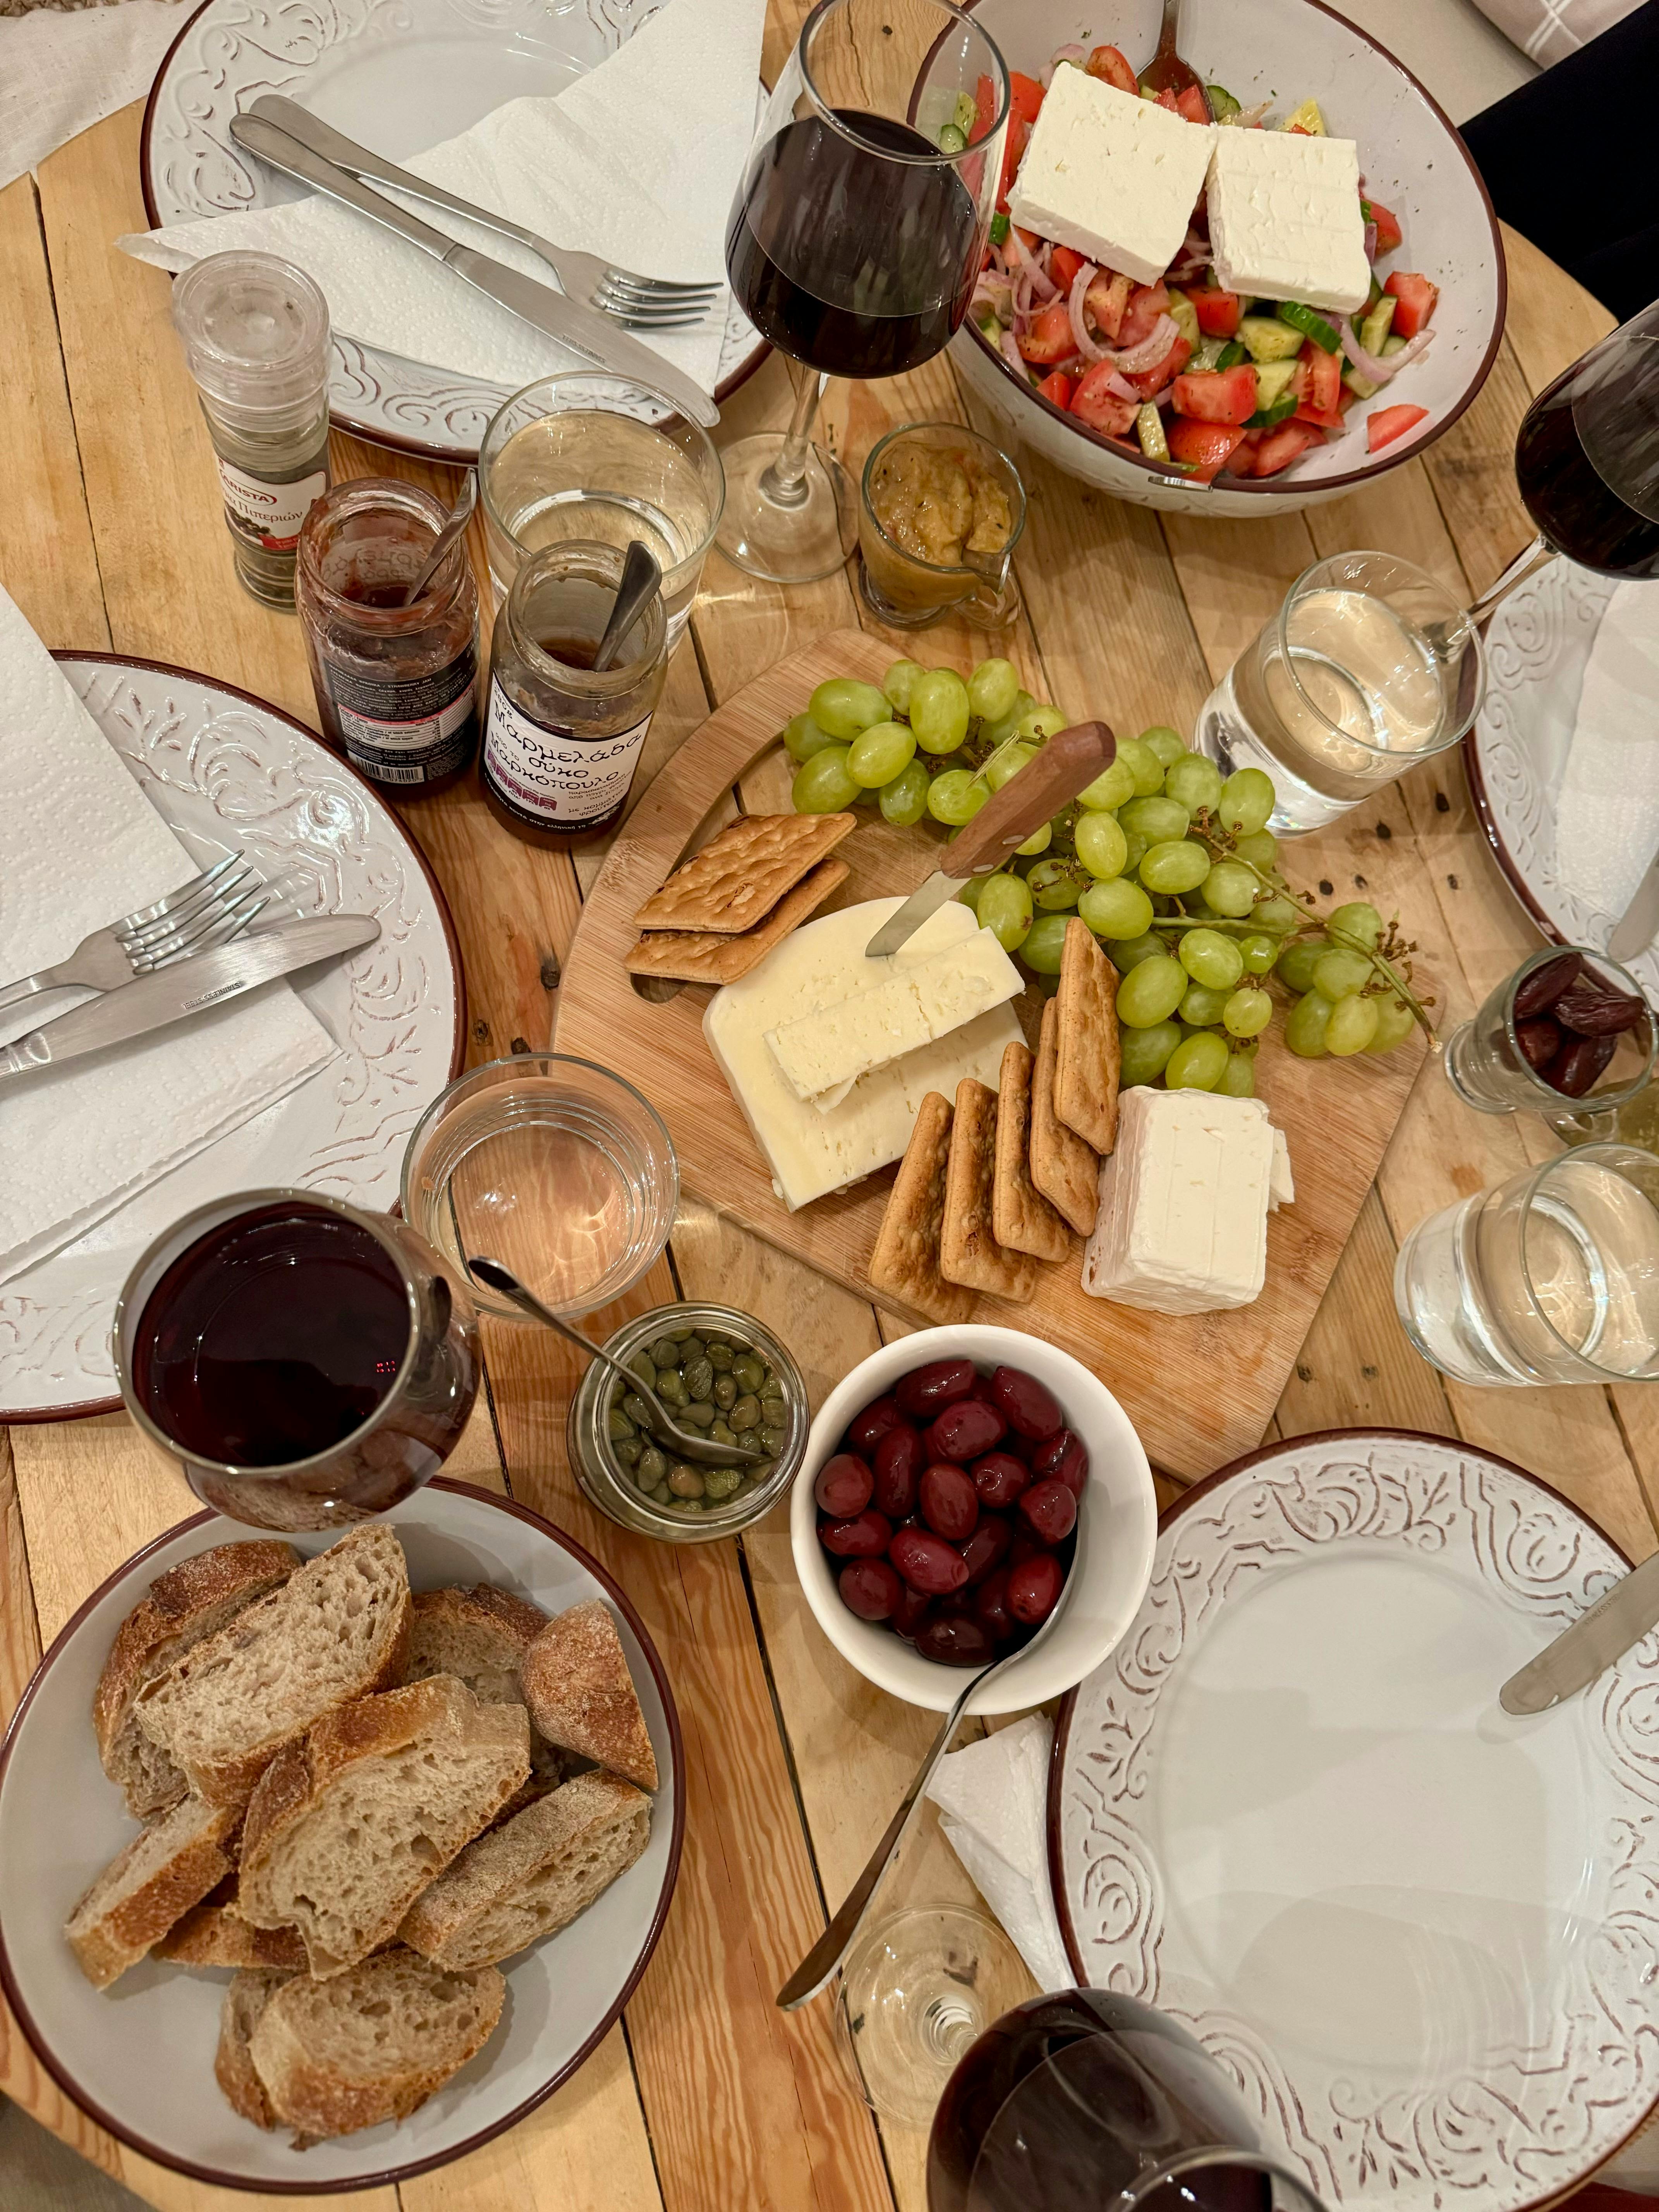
1596 1640
1634 930
904 921
173 994
595 336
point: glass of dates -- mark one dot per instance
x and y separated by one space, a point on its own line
1569 1036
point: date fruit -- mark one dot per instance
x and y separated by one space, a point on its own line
964 1431
949 1503
1029 1407
925 1390
843 1486
927 1563
1545 985
1596 1008
1580 1064
865 1536
1539 1039
869 1588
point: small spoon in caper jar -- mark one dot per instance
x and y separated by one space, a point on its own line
686 1443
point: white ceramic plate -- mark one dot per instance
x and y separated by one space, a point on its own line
230 772
139 2058
397 75
1420 1935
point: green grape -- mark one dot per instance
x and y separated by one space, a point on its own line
822 785
992 687
1248 1012
1297 961
1055 883
1260 850
1040 723
968 895
1247 801
1135 849
1117 908
999 731
1394 1023
1358 919
1147 1051
877 755
1258 953
1063 826
1110 787
1144 766
1239 1077
955 797
1150 992
938 710
1210 958
1278 916
1174 866
1231 889
1201 1009
1198 1063
1351 1026
844 706
1044 944
898 684
1006 761
1157 819
904 800
802 738
1339 975
1005 909
1163 742
1194 780
1305 1030
1039 841
1101 844
1128 952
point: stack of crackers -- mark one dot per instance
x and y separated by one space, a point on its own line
996 1184
719 915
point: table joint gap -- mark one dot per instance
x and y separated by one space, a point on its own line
645 2108
1631 1454
782 1725
68 397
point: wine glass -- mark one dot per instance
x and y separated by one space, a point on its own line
855 241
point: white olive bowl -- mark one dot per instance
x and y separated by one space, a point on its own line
1411 158
1116 1528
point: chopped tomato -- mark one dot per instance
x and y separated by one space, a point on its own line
1167 99
1323 418
1190 103
1151 381
1295 130
1217 311
1013 151
1107 64
1206 447
1050 336
1217 395
1101 408
1318 382
1105 302
1024 96
1146 303
1389 232
1414 298
1389 423
1063 265
1279 447
1057 389
985 109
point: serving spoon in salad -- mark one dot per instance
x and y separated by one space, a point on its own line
1166 71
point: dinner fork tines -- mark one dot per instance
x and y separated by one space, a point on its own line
211 910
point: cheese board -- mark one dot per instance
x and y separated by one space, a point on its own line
1200 1388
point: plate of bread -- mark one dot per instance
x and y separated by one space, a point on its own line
322 1862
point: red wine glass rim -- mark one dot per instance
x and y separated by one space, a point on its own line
934 157
1206 2156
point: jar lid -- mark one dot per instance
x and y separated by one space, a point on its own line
255 331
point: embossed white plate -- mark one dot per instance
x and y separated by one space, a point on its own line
1422 1936
230 772
397 75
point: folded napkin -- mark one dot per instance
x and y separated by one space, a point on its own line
1607 820
80 846
637 161
992 1798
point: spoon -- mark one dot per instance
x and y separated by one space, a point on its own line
1166 71
685 1442
454 523
642 580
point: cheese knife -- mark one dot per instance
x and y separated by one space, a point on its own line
1589 1648
1065 765
192 986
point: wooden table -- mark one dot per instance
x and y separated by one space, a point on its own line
705 2098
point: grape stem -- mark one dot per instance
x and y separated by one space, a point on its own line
1401 989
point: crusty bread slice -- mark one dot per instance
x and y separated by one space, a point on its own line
479 1635
581 1696
232 2067
190 1601
163 1871
213 1934
532 1874
335 1630
346 1830
373 2044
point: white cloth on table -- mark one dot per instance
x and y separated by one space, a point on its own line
61 73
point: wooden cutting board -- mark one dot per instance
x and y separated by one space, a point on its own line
1199 1389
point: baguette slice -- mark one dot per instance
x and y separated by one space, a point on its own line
232 2067
480 1635
189 1602
335 1630
163 1871
213 1934
532 1874
581 1695
346 1830
371 2045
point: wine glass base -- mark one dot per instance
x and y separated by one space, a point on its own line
916 1991
784 544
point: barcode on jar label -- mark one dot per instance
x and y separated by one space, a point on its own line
390 772
553 774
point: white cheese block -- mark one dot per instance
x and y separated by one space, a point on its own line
1281 1191
1114 177
1285 219
1182 1227
810 1153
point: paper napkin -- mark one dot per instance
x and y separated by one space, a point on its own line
80 846
1606 822
637 161
992 1798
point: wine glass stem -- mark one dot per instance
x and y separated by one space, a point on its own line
785 482
1526 563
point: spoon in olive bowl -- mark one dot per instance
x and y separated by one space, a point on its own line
684 1442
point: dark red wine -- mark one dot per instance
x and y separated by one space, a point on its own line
856 264
272 1337
1574 509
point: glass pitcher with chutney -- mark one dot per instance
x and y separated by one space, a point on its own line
940 512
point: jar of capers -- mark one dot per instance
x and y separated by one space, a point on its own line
720 1374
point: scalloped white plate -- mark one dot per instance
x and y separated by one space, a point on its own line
1421 1936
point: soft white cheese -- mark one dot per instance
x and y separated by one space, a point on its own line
1114 177
1182 1227
1285 219
809 1151
1281 1191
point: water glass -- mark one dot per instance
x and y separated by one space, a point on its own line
1551 1277
1489 1070
1370 666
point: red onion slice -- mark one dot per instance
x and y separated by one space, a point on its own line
1377 368
1135 360
1015 359
1042 283
1060 54
1089 348
1370 241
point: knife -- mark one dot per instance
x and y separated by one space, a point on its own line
1065 765
1586 1650
173 994
1634 930
596 337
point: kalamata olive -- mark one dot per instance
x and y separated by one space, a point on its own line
1034 1589
926 1561
869 1588
1025 1546
1539 1039
924 1390
912 1613
1580 1064
949 1503
866 1430
843 1486
988 1546
900 1457
1062 1459
1029 1407
956 1641
965 1430
999 1477
1049 1511
991 1605
1545 985
1595 1008
865 1536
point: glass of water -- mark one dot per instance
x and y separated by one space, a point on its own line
1369 666
1551 1277
605 459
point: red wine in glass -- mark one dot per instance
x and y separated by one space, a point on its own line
1587 457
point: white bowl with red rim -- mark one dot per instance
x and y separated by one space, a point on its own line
1117 1526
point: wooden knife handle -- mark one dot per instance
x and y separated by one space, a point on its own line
1072 759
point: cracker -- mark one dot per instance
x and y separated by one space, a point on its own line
1021 1218
1089 1056
969 1253
905 1262
743 873
699 956
1063 1168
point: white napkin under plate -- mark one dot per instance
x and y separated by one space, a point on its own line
992 1798
81 846
1607 816
637 161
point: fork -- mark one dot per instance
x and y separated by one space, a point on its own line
639 303
210 909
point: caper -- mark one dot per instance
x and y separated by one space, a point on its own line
750 1372
720 1355
721 1433
636 1410
685 1481
664 1351
615 1397
628 1452
644 1482
771 1388
663 1494
671 1390
746 1414
724 1392
691 1347
698 1377
720 1481
618 1425
773 1440
645 1368
653 1466
699 1413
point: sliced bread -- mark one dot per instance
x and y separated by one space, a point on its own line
213 1934
479 1635
190 1601
233 2067
347 1829
532 1874
335 1630
164 1870
370 2046
581 1696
